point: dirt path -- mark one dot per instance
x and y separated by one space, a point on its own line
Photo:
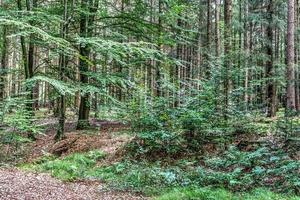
22 185
19 185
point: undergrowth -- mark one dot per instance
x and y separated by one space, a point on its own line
196 193
234 170
69 168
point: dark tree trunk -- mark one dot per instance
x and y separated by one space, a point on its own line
217 28
62 65
86 30
271 88
3 64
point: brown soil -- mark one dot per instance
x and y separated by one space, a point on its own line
17 185
103 135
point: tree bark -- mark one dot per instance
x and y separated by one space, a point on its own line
271 88
290 52
227 52
62 65
217 28
86 30
3 63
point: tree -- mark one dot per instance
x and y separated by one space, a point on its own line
62 65
227 53
290 53
3 63
271 88
217 27
86 31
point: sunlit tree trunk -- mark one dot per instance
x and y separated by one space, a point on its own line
217 28
227 52
290 52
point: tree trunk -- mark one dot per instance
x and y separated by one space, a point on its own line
217 28
290 52
3 63
158 91
62 65
208 36
247 55
227 52
86 30
271 89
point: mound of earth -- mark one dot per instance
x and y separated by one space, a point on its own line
106 139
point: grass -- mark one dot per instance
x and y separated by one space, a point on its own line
163 182
69 168
194 193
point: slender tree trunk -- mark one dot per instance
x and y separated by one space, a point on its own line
297 52
271 89
217 28
290 52
3 63
159 77
208 38
31 4
247 54
227 52
62 65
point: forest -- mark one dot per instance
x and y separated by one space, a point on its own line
150 99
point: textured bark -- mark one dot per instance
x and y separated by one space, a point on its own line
227 52
271 88
217 28
3 64
159 78
84 107
247 54
297 53
86 30
31 4
290 53
62 65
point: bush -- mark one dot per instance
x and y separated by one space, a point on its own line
234 170
156 143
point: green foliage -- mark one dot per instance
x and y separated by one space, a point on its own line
156 143
13 139
162 129
16 116
263 167
141 177
191 193
196 193
288 126
72 167
234 170
12 147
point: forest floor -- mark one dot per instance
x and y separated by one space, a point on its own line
19 179
106 136
17 185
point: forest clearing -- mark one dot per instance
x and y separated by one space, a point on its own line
149 99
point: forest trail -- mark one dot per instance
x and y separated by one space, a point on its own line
17 185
